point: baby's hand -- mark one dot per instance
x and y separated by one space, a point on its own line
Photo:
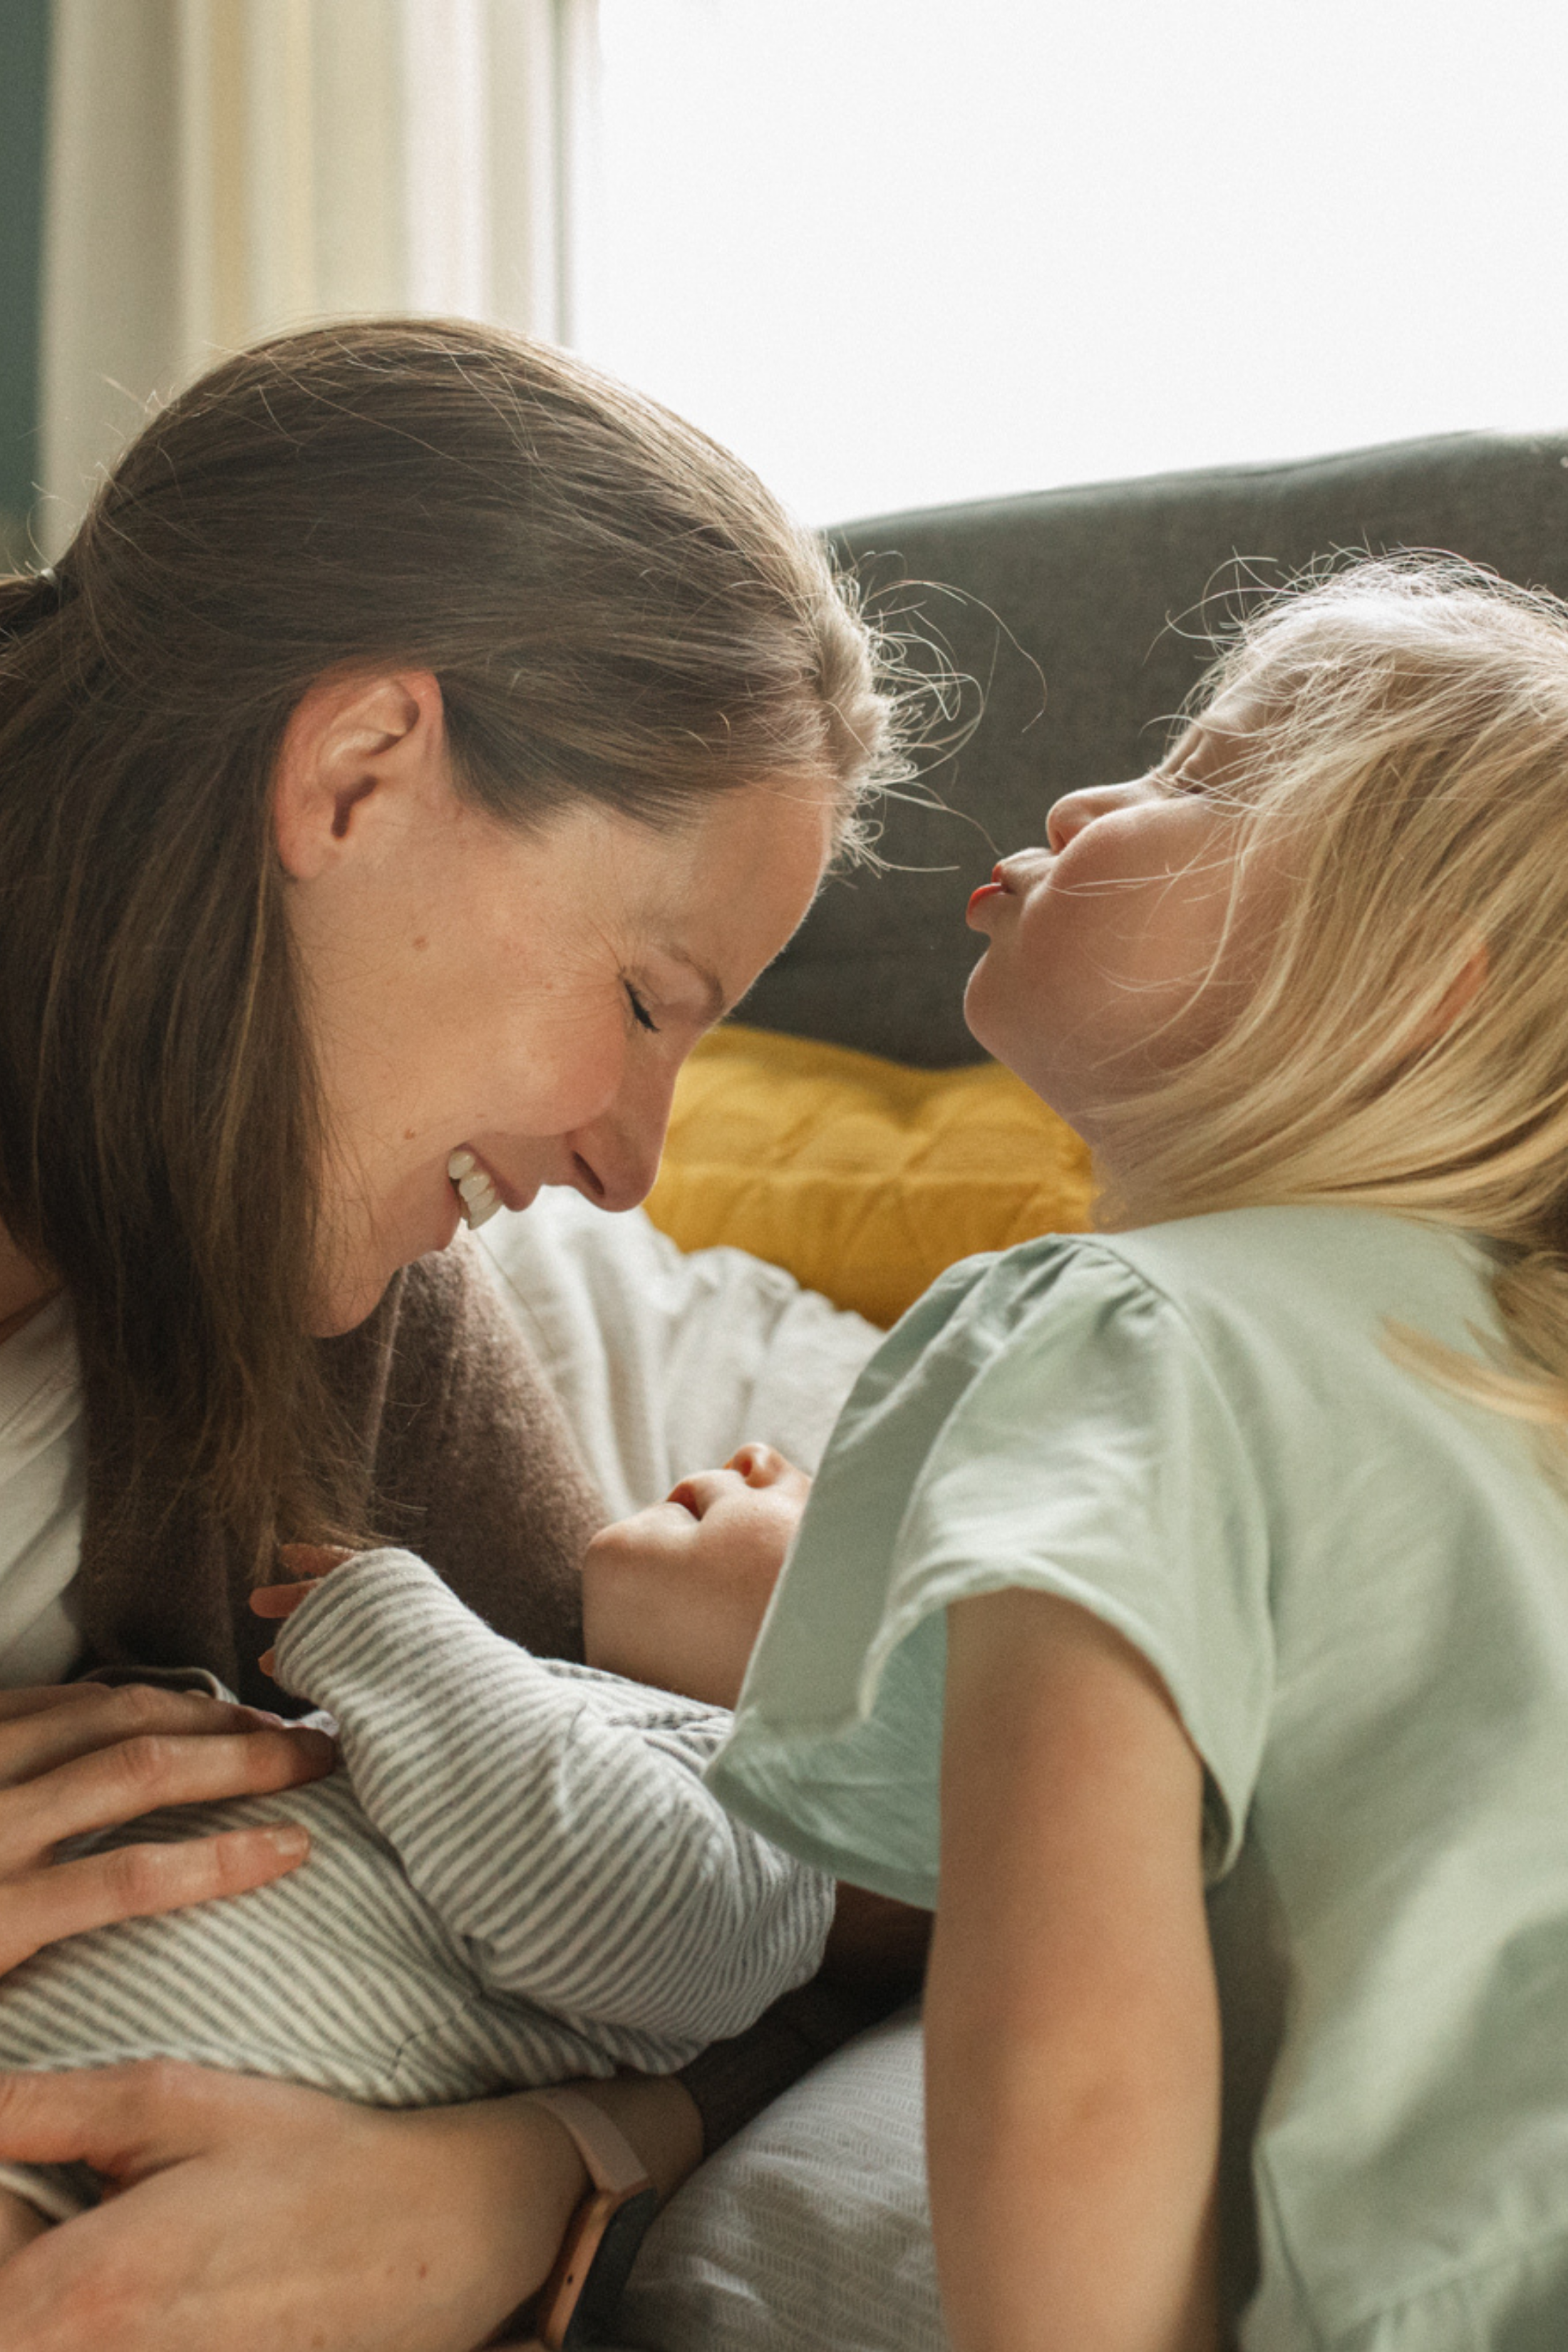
674 1596
312 1562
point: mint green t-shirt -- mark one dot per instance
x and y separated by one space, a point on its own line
1355 1588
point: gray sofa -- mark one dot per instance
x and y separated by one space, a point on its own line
1081 611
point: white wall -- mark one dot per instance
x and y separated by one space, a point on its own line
901 251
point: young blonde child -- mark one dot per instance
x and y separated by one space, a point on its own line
1223 1554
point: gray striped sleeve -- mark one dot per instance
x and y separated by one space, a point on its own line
555 1817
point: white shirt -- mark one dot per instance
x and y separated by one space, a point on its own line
43 1471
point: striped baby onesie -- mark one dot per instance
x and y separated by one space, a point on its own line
518 1876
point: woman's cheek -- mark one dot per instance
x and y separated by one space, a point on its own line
559 1085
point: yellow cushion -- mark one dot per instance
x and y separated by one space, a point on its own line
862 1177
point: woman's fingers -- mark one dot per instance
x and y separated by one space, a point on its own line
92 1757
134 1881
36 1698
118 1784
38 1739
103 2117
256 2213
39 1698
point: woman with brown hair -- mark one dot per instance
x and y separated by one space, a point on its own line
422 742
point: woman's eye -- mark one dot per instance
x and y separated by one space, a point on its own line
640 1013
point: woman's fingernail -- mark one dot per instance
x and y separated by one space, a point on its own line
288 1838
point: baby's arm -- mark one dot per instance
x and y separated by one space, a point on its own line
556 1820
1072 2036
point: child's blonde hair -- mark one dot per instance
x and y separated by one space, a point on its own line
1393 739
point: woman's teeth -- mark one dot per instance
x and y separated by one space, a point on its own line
475 1190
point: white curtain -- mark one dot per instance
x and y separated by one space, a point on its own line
220 169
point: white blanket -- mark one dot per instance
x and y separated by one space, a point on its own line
665 1362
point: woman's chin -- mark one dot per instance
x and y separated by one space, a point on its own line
344 1307
353 1292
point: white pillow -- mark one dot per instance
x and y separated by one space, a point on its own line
809 2231
665 1361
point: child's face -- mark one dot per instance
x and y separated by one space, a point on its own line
1105 969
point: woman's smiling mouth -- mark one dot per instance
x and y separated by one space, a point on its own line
476 1188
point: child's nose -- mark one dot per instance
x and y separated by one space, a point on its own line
1069 815
1063 821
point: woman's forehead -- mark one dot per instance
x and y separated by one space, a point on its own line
750 856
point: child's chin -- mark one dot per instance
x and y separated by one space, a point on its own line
986 1017
975 1008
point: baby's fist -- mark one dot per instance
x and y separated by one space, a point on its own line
675 1595
309 1563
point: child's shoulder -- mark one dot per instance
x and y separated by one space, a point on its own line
1248 1299
1285 1262
1333 1269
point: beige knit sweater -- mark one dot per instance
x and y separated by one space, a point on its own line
467 1460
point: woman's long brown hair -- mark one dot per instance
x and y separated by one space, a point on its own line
618 612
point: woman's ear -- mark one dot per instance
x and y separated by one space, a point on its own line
355 751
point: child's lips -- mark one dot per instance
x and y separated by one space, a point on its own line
999 887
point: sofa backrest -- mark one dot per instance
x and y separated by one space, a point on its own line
1081 612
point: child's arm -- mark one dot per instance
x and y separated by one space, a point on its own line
1072 2033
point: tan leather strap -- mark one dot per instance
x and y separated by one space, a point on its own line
613 2163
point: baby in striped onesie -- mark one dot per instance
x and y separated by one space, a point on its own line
517 1875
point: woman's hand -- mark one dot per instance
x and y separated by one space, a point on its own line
264 2218
676 1595
84 1757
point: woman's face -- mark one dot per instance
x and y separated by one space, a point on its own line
527 998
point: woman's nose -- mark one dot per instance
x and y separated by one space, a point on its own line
616 1158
